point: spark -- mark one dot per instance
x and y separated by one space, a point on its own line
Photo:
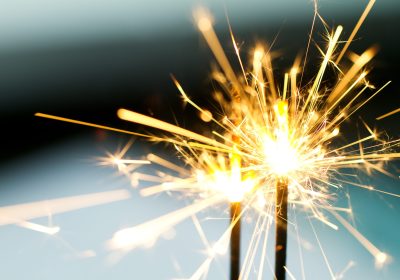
380 257
152 122
269 137
347 268
14 214
39 228
163 162
388 114
47 116
290 273
147 233
355 30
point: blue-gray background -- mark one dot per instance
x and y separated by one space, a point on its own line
85 59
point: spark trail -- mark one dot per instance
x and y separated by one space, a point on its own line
277 144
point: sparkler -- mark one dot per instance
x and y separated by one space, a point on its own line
274 149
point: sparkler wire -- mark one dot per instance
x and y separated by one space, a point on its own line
281 218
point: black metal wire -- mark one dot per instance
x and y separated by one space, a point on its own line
281 209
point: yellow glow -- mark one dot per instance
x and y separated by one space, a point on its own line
47 116
235 193
152 122
279 153
203 19
262 134
280 156
380 259
388 114
336 131
226 182
206 116
204 24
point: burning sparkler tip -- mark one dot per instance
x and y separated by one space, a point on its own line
265 137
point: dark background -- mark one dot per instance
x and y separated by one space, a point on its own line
85 63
